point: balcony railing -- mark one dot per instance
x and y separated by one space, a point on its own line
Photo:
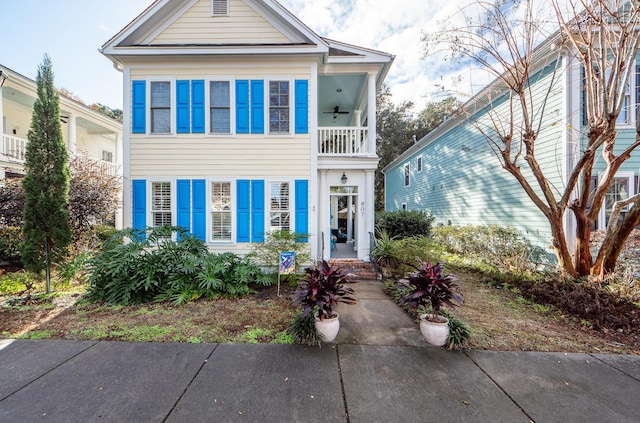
14 150
342 141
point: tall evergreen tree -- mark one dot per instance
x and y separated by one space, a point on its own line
46 229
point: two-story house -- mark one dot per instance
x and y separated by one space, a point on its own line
85 131
240 120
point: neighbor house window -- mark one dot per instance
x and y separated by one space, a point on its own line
279 107
161 203
221 226
219 7
621 188
406 175
220 107
160 107
419 164
107 156
279 211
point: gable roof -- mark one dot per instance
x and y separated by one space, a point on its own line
146 35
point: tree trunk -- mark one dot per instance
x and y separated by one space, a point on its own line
613 244
559 242
583 237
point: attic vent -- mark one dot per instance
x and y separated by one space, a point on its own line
219 7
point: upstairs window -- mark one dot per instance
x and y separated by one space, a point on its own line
279 211
279 107
219 7
220 107
160 107
406 175
419 164
107 156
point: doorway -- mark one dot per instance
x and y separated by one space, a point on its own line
344 222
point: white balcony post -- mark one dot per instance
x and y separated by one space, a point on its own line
71 135
371 114
369 219
2 130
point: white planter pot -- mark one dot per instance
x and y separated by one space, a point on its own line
328 328
435 333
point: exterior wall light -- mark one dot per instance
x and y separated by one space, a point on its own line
344 178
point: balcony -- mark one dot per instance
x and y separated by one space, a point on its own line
14 150
343 141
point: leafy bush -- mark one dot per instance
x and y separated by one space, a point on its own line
303 330
502 247
267 253
157 268
16 282
405 223
10 239
11 203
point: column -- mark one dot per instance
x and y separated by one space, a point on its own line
371 114
323 213
71 135
350 219
118 161
369 219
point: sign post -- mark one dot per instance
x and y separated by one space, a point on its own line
287 265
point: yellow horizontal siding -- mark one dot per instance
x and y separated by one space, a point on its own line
259 157
197 26
238 72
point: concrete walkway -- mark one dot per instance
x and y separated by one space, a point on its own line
378 371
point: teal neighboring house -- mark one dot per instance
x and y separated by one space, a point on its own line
454 174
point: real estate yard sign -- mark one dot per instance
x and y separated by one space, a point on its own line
287 265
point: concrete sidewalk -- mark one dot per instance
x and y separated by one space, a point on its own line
387 376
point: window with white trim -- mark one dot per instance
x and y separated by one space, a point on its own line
406 175
221 212
621 188
161 204
220 107
419 164
107 156
219 7
279 206
279 107
160 105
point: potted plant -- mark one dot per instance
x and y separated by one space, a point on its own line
318 293
384 253
428 286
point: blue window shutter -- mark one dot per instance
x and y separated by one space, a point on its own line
244 211
242 107
184 200
199 209
257 211
182 107
197 106
138 107
257 107
302 106
302 207
139 203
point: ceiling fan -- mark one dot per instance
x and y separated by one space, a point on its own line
336 111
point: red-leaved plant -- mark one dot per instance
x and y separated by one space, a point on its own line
428 286
321 289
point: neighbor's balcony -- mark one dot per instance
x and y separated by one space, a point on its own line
343 141
14 150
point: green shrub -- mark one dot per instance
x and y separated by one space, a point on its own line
10 239
16 282
158 268
303 330
405 223
503 247
267 253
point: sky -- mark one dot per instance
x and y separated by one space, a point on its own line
72 31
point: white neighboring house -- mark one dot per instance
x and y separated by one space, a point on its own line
85 131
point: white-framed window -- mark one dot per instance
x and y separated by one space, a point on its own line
161 120
221 211
407 175
419 164
220 98
279 205
621 188
404 206
161 203
279 102
219 7
107 156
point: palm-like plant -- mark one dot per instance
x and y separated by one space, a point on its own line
428 286
321 289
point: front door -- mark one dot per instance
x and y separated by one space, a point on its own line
344 221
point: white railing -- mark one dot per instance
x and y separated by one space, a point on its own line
338 141
13 148
101 167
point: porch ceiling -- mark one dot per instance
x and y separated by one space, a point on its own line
351 87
